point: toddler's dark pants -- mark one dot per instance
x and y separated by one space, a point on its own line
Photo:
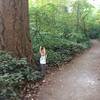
43 69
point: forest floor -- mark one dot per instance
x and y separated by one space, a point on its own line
77 80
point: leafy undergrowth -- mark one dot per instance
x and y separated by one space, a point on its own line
17 77
14 75
59 49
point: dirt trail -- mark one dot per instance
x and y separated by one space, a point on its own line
80 80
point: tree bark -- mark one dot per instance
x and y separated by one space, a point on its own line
14 28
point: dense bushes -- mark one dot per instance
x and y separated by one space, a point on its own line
59 49
52 26
13 74
55 32
94 32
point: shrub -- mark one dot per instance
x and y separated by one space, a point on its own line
59 49
13 74
56 33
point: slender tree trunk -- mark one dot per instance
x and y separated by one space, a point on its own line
14 28
78 16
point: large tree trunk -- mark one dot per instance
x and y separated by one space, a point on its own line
14 28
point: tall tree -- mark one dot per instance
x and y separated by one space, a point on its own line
14 28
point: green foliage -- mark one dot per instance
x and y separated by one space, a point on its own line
47 19
94 33
77 37
94 26
52 25
59 49
13 74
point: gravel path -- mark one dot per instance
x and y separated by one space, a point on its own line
78 80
